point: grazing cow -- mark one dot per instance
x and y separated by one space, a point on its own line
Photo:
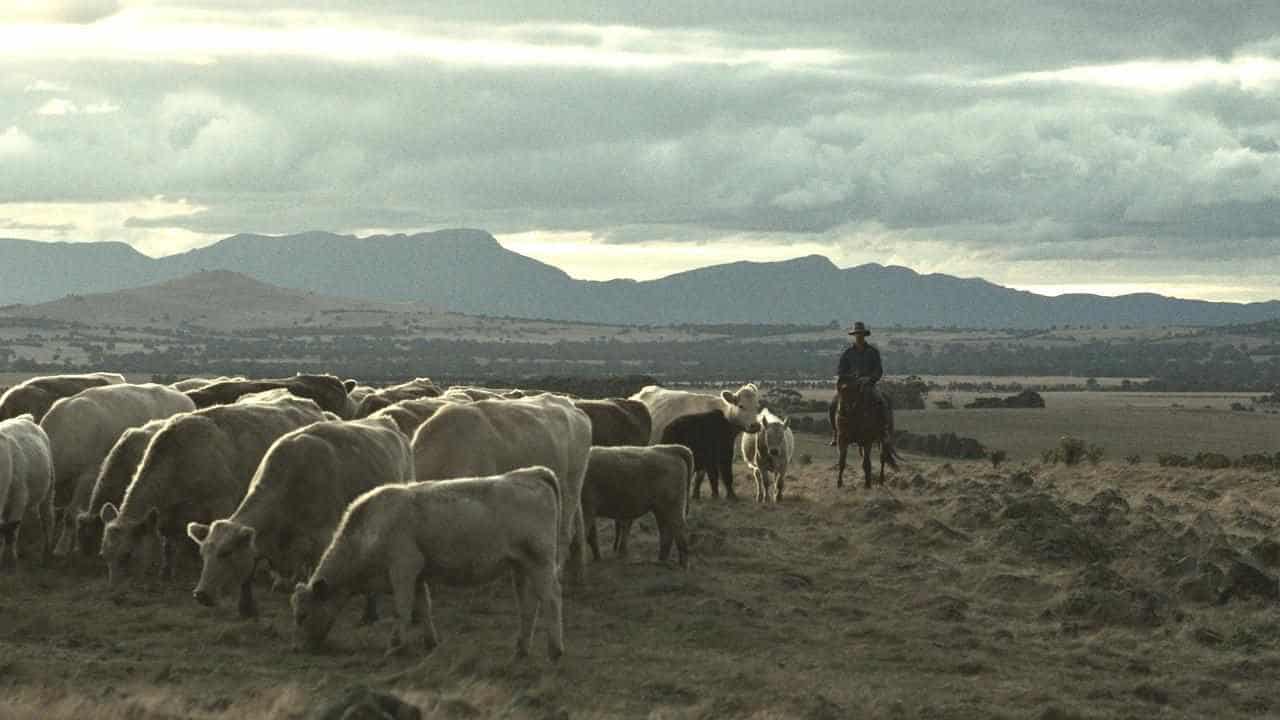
410 414
624 483
711 438
295 500
82 430
768 453
617 421
113 480
195 383
386 397
485 393
489 437
328 391
35 396
26 485
196 468
739 408
400 538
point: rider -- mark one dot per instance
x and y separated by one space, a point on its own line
859 363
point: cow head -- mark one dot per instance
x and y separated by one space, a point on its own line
773 437
742 407
227 557
315 607
129 546
89 532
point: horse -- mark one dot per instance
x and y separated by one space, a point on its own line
858 422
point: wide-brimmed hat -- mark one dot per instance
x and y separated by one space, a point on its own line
859 328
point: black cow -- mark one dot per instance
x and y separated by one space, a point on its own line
712 439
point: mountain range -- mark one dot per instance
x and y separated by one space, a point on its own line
468 271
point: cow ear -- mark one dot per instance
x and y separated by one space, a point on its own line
108 513
786 422
152 520
320 589
244 536
198 532
349 385
729 397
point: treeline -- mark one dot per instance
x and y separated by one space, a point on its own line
1173 365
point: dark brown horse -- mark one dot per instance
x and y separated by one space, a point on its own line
858 422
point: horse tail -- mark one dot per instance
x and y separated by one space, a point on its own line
888 455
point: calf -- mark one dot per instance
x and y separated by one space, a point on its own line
768 454
297 496
711 438
624 483
26 485
617 421
399 538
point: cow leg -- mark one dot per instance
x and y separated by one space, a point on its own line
526 608
726 476
547 590
782 477
403 573
45 512
577 555
844 453
247 605
422 610
866 464
622 533
168 558
9 551
369 615
665 538
593 541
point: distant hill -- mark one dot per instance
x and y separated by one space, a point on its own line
468 271
218 300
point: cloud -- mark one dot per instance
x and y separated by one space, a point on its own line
78 12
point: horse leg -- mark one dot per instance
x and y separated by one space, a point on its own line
865 450
844 452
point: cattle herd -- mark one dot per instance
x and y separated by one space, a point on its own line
353 491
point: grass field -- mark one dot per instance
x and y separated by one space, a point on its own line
954 592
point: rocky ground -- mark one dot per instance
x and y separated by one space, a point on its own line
954 591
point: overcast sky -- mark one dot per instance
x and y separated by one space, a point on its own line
1099 145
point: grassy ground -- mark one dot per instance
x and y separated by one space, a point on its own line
953 592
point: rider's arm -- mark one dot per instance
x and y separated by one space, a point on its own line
846 366
877 370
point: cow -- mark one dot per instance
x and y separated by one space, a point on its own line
328 391
196 468
739 408
624 483
379 399
489 437
401 538
195 383
485 393
82 430
26 486
768 453
37 395
113 479
711 438
617 421
409 415
295 500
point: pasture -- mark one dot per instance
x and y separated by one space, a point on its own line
956 591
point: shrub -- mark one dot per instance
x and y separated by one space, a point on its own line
1050 456
1094 454
1133 459
997 457
1173 460
1071 450
805 459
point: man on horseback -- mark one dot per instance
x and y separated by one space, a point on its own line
860 364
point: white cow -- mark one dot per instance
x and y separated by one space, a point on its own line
739 408
26 485
37 395
82 430
490 437
768 453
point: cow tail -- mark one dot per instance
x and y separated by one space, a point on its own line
687 457
550 478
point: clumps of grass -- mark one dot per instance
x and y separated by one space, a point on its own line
805 459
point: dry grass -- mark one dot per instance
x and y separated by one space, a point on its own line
954 592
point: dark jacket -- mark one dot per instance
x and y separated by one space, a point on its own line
856 363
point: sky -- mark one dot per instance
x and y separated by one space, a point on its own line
1106 146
